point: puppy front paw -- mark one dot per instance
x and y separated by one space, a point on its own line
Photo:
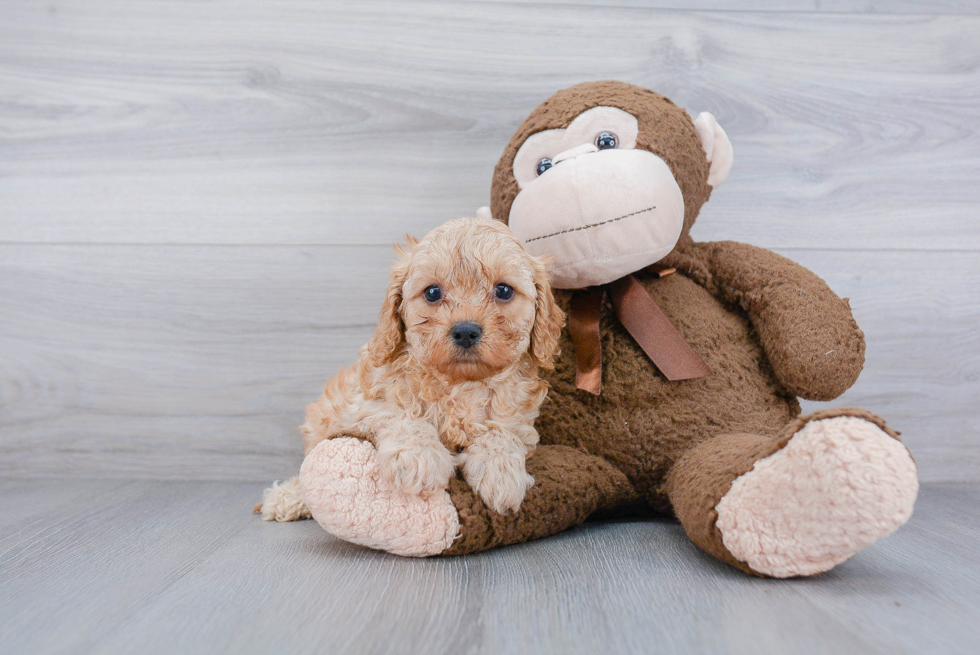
416 469
499 477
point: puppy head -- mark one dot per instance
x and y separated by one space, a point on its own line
468 301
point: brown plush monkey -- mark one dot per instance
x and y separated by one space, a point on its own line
677 386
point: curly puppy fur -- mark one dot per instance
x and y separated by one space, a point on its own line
430 405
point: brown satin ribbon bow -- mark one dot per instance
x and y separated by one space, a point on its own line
642 318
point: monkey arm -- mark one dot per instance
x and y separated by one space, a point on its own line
814 346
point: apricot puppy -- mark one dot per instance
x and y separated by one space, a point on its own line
450 377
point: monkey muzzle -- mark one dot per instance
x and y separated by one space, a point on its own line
603 214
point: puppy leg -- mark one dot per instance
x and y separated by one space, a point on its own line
494 466
283 502
412 458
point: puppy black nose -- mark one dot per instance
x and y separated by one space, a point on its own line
466 334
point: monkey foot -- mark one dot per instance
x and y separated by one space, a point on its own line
839 485
343 488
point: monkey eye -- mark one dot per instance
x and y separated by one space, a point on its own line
503 291
432 294
543 165
606 141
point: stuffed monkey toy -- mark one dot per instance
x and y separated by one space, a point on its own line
682 362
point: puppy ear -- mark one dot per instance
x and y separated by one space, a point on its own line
548 317
389 335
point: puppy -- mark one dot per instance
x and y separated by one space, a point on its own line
450 377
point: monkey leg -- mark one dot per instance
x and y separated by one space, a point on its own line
346 495
800 502
569 486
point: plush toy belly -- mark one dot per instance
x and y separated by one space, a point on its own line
644 421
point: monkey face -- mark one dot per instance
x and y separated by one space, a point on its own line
613 184
591 198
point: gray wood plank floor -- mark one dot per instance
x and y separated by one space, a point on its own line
183 567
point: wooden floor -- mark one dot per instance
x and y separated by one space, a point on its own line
183 567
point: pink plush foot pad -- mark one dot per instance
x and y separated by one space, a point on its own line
342 487
839 485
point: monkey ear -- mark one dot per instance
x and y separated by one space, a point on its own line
716 145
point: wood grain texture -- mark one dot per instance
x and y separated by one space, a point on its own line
196 203
796 6
182 361
156 567
196 361
196 199
349 123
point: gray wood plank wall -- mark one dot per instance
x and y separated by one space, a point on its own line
197 199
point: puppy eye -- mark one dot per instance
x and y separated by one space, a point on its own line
503 292
606 141
543 165
432 294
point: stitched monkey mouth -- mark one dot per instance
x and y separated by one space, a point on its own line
602 218
592 225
